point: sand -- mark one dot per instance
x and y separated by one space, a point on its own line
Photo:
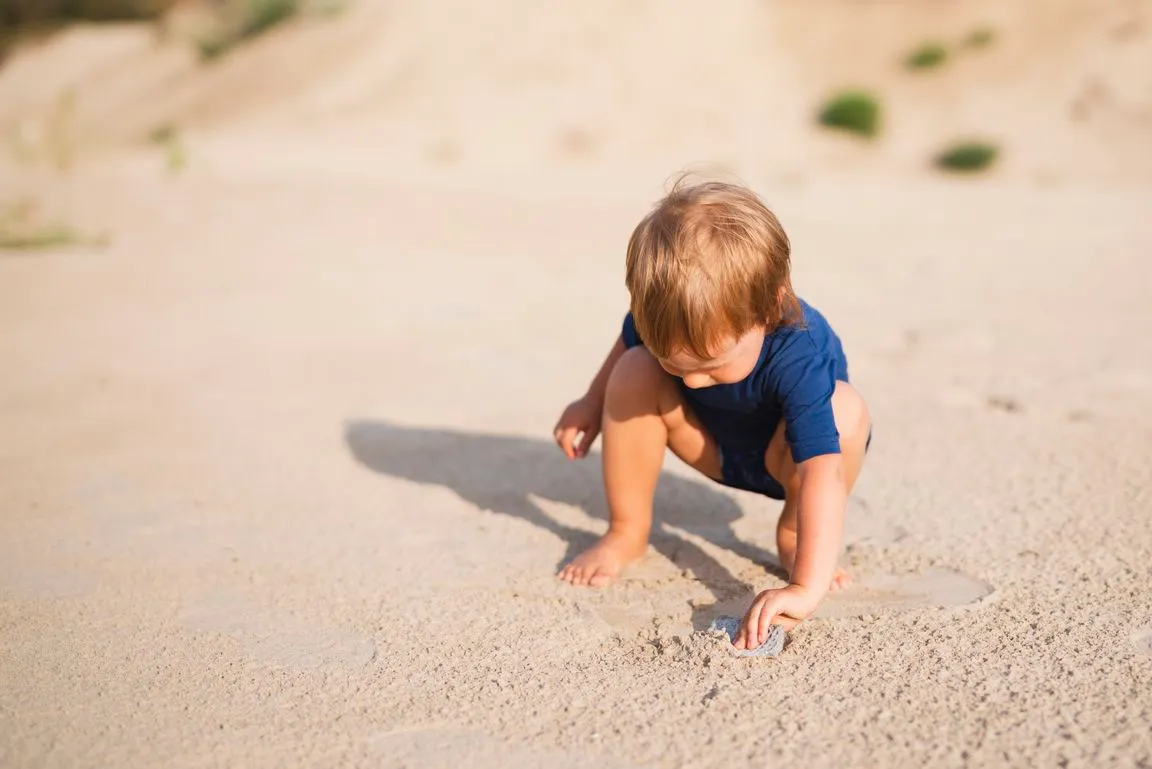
276 479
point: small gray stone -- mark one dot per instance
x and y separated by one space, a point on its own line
730 626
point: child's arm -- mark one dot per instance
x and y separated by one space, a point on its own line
820 523
583 416
599 384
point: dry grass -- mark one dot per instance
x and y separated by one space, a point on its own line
23 228
167 138
981 37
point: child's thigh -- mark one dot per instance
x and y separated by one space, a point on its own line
854 424
640 387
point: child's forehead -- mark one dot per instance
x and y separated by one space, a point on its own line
725 348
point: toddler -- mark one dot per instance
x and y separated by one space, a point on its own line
722 363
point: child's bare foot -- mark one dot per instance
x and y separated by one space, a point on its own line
600 564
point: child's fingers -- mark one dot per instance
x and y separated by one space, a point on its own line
752 624
564 438
587 441
767 614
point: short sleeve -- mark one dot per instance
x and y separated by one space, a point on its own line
803 379
631 338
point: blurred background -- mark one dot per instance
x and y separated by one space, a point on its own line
1042 92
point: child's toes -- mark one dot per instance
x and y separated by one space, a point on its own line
600 579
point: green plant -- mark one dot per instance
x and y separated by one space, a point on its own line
162 134
244 20
37 239
980 37
167 137
329 8
967 157
263 15
927 56
20 230
854 111
214 47
23 228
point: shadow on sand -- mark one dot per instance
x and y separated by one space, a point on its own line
503 473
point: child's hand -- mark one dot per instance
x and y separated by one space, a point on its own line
786 607
578 427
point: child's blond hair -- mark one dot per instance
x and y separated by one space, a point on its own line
709 261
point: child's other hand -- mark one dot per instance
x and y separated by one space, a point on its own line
578 427
786 607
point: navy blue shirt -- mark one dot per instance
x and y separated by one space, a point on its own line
793 380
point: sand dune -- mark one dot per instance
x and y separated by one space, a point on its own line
529 88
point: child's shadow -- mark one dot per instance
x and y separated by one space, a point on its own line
502 473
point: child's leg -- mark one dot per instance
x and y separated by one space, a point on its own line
853 423
643 414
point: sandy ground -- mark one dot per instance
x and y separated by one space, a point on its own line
277 488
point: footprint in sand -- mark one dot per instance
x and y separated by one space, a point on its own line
889 593
278 641
877 595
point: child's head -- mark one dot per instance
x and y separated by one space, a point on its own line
708 270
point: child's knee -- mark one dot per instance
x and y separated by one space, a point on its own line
637 384
852 423
636 371
852 419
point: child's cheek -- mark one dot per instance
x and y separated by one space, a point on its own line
734 374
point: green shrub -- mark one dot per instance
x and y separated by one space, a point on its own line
162 134
263 15
854 111
980 37
927 56
214 46
244 20
968 157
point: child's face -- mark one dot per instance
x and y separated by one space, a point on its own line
734 360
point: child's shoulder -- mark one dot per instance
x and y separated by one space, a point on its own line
794 345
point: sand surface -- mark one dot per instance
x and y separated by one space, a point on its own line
276 480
